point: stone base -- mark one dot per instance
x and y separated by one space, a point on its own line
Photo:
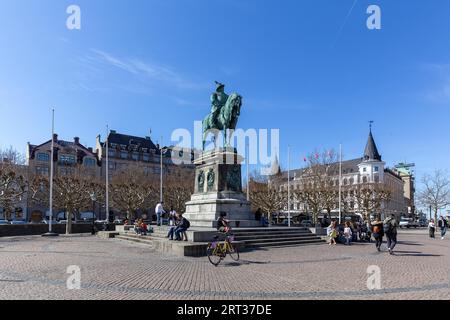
204 209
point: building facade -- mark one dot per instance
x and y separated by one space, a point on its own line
368 170
67 155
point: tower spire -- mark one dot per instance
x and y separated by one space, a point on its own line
371 151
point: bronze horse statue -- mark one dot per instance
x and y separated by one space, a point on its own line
225 121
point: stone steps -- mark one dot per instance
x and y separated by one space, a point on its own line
246 237
177 248
277 244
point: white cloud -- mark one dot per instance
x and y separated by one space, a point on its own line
149 71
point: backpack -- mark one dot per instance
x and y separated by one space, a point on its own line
387 226
376 229
187 223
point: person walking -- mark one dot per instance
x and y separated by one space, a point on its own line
443 225
159 210
332 233
378 233
390 226
431 228
348 234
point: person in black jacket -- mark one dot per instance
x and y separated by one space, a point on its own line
443 225
182 227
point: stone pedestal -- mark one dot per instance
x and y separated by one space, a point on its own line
218 188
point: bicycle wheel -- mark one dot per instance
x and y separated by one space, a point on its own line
212 254
233 251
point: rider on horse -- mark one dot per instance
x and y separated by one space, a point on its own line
218 101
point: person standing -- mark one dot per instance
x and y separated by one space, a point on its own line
159 210
443 225
378 234
348 234
172 216
390 226
431 228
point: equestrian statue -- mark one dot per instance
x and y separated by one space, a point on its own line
225 111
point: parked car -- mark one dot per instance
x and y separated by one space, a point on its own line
423 223
3 222
87 216
18 222
306 224
118 221
62 216
408 223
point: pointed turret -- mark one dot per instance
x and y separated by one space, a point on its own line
275 168
371 151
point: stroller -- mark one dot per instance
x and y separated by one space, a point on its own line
364 234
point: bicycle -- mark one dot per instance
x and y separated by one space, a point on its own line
217 251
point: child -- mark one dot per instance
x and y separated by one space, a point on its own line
348 233
431 228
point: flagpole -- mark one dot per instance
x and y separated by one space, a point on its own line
107 173
248 172
340 182
50 233
289 186
161 173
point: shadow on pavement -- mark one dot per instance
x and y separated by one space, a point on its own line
414 254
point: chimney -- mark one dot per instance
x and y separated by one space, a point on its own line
55 137
76 140
91 150
147 138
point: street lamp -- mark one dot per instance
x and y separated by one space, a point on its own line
93 198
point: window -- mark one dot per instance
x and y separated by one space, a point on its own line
124 154
66 171
364 169
135 156
89 162
146 157
42 171
112 153
376 169
67 159
43 157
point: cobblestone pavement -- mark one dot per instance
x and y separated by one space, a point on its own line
35 268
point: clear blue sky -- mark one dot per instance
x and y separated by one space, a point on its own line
310 68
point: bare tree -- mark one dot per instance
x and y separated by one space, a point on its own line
132 190
369 197
318 187
72 191
436 191
13 185
178 189
12 156
269 198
